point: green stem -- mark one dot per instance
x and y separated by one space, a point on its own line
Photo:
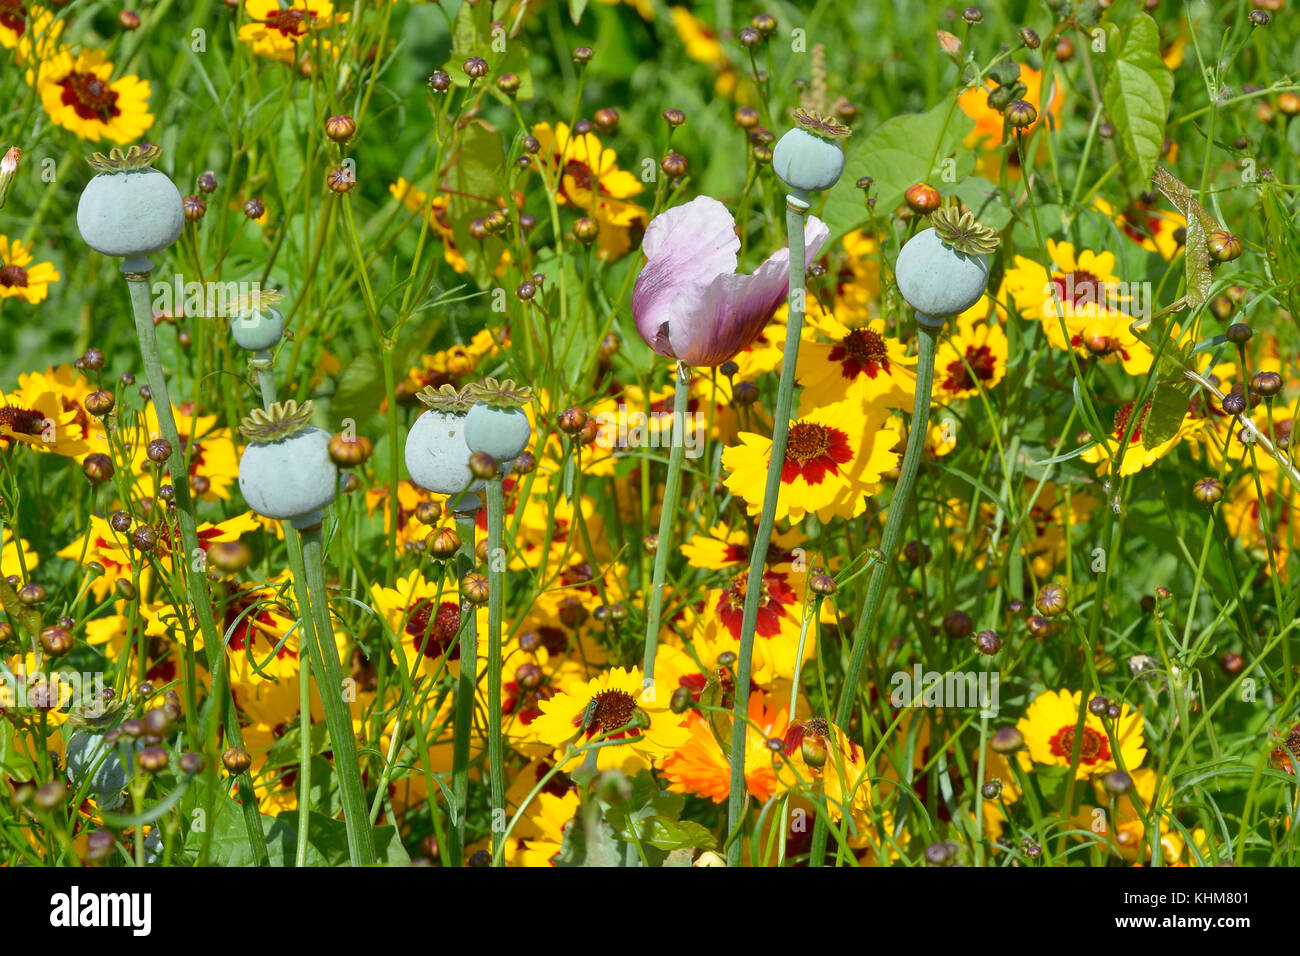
796 210
306 550
926 338
464 695
496 584
304 762
666 515
137 272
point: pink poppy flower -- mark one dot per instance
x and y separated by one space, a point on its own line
689 303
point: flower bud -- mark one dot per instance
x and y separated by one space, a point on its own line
585 230
476 68
922 198
1224 246
474 588
56 641
349 451
236 760
340 128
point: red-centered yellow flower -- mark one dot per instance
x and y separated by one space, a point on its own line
108 549
1122 831
280 29
586 176
971 359
834 458
417 201
722 548
700 767
1151 228
611 707
1136 456
842 773
21 21
838 363
1049 730
1084 281
539 836
79 93
210 454
425 615
19 278
40 415
16 556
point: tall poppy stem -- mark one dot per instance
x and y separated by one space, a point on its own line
927 332
496 594
137 272
666 516
464 694
796 210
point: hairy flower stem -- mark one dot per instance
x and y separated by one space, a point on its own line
196 583
926 337
795 212
496 508
464 695
666 515
306 550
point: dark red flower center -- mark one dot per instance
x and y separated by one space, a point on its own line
776 597
861 352
1121 422
813 450
1093 749
89 96
13 16
433 628
1079 287
608 713
290 23
22 421
979 360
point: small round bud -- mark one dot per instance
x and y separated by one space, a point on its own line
1288 103
349 451
97 467
340 128
1064 50
254 209
582 55
1117 781
762 155
125 589
1239 333
1029 38
1163 593
1267 384
508 83
973 15
572 420
813 749
674 117
1234 403
821 583
145 539
525 462
159 450
957 624
56 641
50 796
987 642
749 37
606 119
31 594
133 727
746 117
1114 711
127 19
991 790
191 763
764 23
674 165
528 676
482 465
152 759
681 700
744 394
1020 114
474 588
1052 600
194 207
236 761
1097 706
1224 246
443 543
341 179
99 403
439 81
922 198
1258 18
476 68
945 853
1006 740
1232 663
229 557
585 230
207 182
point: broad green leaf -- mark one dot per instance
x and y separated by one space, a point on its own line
665 833
1136 93
1200 225
360 388
899 153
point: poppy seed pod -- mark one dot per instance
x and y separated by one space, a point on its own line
129 209
255 322
91 760
807 158
285 471
944 270
437 456
497 423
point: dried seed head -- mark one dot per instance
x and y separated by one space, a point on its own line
959 229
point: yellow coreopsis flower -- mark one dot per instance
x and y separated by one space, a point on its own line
279 31
973 357
79 93
19 278
837 362
614 707
834 457
1049 730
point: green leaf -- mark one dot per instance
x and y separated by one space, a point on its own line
576 9
1200 225
360 388
1136 93
665 833
897 154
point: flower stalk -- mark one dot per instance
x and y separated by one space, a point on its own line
796 212
669 511
496 594
137 272
464 718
